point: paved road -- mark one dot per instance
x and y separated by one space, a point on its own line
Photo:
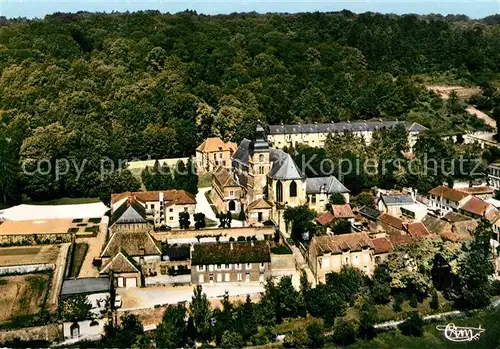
202 205
95 248
159 295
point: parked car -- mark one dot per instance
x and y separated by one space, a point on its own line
118 301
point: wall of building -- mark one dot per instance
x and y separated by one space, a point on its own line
358 259
85 328
233 273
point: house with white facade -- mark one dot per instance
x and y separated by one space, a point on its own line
447 199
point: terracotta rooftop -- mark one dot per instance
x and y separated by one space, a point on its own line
479 207
394 222
400 239
464 230
448 193
325 218
344 242
417 230
342 211
477 190
224 177
215 144
382 245
180 197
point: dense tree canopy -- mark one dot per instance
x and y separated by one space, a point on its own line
123 86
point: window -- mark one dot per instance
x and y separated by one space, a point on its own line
356 260
346 260
153 206
219 277
377 260
248 266
261 158
211 267
279 192
219 266
262 266
227 277
238 266
231 193
227 267
238 276
247 277
293 189
171 210
211 277
313 199
171 218
201 278
185 209
261 278
261 169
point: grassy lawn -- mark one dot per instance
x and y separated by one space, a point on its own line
77 259
67 201
205 180
432 338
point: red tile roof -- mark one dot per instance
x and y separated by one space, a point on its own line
391 220
382 245
215 144
417 230
342 211
339 243
479 207
325 218
477 190
180 197
400 239
448 193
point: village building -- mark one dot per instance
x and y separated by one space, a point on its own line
314 135
213 153
226 193
162 206
126 252
259 211
235 262
400 205
447 199
130 215
382 247
494 175
478 209
481 192
329 253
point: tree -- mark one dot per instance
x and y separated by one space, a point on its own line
434 304
76 308
475 270
232 340
414 326
413 301
315 335
199 220
130 333
200 312
347 283
367 319
323 302
118 182
288 301
363 199
337 199
172 331
301 219
344 332
381 281
341 226
398 301
248 319
184 221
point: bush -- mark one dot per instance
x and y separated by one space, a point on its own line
495 287
344 332
413 327
413 301
435 300
398 301
315 335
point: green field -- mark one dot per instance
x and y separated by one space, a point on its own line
432 338
67 201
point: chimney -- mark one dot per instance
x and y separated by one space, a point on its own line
160 196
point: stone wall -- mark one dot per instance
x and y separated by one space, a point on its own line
25 269
35 239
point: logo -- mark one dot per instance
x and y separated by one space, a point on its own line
460 334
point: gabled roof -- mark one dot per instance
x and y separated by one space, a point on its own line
179 197
179 253
382 245
342 211
132 243
369 212
121 263
448 193
225 178
243 152
325 218
328 185
394 222
339 243
228 253
259 204
417 230
477 190
400 239
215 144
453 217
436 225
464 230
130 211
283 167
397 200
478 207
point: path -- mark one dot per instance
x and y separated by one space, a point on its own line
202 205
488 120
58 276
94 250
301 263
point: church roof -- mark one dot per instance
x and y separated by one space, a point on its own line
259 204
283 166
243 152
328 185
130 211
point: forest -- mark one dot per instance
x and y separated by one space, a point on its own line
87 87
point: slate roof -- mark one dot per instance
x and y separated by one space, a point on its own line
369 212
343 126
243 152
259 204
283 167
336 244
130 211
121 263
448 193
132 243
225 178
382 245
397 200
85 286
229 253
329 185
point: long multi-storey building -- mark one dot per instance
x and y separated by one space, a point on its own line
314 135
494 175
